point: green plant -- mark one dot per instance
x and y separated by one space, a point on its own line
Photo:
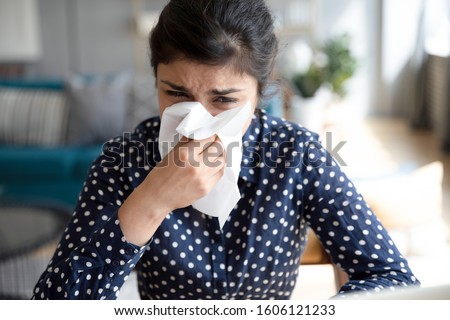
339 66
308 83
341 63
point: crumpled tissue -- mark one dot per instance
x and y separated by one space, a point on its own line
192 120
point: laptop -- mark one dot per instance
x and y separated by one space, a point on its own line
440 292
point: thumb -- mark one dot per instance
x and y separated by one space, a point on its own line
184 139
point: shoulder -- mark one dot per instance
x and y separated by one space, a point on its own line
296 147
147 130
287 145
275 130
140 145
275 144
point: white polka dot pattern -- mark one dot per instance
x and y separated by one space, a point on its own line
288 183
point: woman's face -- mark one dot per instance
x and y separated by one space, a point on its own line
217 88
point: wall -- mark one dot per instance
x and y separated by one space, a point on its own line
84 36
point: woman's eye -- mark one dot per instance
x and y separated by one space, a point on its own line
226 100
176 94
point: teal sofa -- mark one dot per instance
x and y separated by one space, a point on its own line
38 159
48 174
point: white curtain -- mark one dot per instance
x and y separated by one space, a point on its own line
408 28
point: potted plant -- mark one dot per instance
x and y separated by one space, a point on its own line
330 68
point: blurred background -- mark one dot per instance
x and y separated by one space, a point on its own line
372 77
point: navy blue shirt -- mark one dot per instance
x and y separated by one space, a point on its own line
288 183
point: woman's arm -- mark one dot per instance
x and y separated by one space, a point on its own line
93 259
119 209
347 228
183 176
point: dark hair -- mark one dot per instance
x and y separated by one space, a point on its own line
217 32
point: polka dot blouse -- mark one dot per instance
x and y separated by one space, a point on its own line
288 183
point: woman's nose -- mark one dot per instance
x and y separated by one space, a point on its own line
210 108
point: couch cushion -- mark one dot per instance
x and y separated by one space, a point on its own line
98 107
409 204
46 173
32 117
32 163
26 164
143 101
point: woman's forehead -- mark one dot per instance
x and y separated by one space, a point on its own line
192 75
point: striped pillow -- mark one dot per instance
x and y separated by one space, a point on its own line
33 117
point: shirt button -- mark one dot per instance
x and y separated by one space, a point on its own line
129 251
115 263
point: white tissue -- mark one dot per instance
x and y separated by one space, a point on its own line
192 120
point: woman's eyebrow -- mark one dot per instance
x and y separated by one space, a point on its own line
223 92
174 86
215 92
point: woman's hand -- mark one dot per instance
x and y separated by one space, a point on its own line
187 173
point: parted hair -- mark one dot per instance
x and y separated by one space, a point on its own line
239 33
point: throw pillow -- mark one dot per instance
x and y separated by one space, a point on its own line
98 107
34 117
143 100
410 206
406 199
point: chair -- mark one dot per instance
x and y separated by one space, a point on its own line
315 254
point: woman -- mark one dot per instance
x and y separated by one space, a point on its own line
135 211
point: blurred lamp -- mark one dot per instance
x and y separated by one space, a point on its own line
20 36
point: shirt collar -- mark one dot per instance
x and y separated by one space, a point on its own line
251 146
